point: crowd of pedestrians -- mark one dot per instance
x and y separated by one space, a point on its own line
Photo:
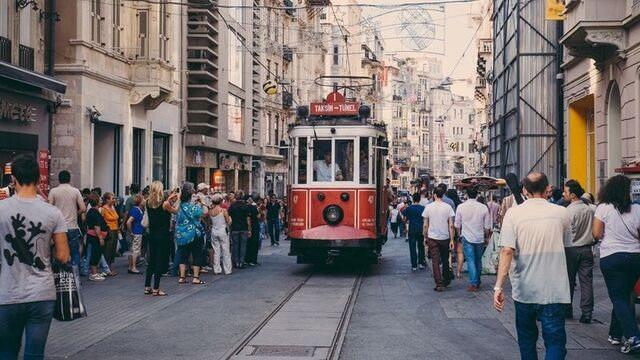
549 238
183 232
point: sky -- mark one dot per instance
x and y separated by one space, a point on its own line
454 26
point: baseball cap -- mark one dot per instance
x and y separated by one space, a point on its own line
202 186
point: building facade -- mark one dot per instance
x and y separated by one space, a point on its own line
29 95
120 119
601 89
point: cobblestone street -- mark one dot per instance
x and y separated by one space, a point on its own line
396 315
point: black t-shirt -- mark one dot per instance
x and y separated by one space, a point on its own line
253 213
94 218
239 212
273 210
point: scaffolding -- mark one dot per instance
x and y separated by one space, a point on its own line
526 128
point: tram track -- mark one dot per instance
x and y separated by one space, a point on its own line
296 338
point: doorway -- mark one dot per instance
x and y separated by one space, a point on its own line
582 143
106 157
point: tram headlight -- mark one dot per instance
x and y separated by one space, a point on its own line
333 214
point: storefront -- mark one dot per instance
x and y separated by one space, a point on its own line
25 105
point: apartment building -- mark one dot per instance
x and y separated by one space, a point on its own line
120 119
29 95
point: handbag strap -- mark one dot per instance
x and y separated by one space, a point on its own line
636 236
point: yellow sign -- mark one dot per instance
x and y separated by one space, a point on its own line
555 10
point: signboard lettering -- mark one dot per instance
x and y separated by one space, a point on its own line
43 166
334 109
10 111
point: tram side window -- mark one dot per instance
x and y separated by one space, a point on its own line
344 159
323 161
302 161
364 160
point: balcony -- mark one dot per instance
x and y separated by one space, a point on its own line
5 49
152 82
26 57
594 29
287 100
287 53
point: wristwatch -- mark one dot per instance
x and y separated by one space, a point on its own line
497 288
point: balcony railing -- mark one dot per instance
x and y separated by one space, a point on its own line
5 49
287 53
26 59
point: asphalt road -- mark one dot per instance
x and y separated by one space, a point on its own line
396 315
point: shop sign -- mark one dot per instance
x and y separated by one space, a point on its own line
12 111
43 167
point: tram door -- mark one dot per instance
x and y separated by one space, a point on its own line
382 208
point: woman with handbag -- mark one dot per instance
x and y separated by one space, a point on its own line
188 234
96 234
617 226
110 215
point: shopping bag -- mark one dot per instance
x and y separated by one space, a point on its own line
69 305
491 255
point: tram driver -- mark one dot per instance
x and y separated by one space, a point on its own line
322 168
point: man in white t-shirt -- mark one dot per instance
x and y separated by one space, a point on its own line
322 169
534 235
473 222
438 235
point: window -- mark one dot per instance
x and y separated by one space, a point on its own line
4 18
234 117
277 70
143 30
277 130
235 10
161 158
333 160
302 160
138 150
164 31
96 20
235 58
365 171
335 55
115 25
268 69
267 133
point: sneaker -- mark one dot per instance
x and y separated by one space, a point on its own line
421 267
614 340
438 288
414 269
631 346
104 274
96 277
208 268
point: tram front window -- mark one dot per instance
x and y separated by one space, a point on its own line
328 167
364 160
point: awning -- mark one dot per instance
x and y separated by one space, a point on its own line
15 73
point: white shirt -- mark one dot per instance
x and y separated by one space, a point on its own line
394 215
538 231
438 214
322 171
425 201
474 218
616 236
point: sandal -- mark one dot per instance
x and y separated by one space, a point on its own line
159 293
182 280
147 291
197 281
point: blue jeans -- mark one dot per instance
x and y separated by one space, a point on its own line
104 267
33 319
239 247
621 272
74 236
416 249
175 268
473 254
551 317
274 230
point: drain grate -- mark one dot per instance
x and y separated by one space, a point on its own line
276 350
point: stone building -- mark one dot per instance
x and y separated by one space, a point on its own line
601 88
120 120
29 95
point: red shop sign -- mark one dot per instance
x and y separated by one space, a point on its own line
43 166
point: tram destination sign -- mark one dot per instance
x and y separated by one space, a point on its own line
334 109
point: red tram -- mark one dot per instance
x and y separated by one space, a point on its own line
336 196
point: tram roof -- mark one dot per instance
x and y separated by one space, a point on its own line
339 129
